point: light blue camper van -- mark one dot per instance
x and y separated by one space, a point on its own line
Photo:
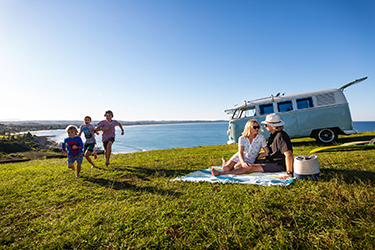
322 114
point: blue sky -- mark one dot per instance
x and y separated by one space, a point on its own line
179 59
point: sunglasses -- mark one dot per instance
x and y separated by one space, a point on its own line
256 127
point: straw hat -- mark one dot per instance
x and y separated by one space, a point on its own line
273 120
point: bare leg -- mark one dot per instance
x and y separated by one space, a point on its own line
95 154
229 166
251 169
71 166
78 169
87 156
224 161
238 165
108 152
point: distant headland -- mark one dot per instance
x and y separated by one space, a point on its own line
35 125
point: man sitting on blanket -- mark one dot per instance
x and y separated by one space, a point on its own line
280 156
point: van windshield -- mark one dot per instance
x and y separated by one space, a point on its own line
248 112
236 114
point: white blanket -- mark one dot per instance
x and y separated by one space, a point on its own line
264 179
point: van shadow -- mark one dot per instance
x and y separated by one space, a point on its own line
337 142
348 176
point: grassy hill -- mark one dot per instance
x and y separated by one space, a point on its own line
133 204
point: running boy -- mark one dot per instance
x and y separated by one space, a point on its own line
89 131
108 137
73 144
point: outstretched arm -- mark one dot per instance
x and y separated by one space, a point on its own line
63 147
95 131
122 130
102 129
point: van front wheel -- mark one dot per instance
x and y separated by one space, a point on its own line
326 135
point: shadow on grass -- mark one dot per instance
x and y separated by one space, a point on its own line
163 172
348 176
141 172
129 185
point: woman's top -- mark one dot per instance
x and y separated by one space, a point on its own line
251 150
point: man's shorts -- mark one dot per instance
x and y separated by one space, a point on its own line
105 143
89 147
270 167
73 158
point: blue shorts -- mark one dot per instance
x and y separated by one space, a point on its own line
73 158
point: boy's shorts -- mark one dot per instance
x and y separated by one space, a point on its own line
73 158
89 147
105 143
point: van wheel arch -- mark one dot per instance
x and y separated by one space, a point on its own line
326 135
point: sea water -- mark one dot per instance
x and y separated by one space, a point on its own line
152 137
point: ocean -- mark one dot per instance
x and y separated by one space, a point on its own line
152 137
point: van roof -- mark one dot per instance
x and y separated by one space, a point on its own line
279 98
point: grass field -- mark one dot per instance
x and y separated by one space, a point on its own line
132 204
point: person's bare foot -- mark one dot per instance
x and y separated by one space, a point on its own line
107 163
95 154
224 161
214 172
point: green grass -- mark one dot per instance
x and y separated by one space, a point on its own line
132 204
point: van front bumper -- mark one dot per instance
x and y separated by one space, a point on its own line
350 132
231 142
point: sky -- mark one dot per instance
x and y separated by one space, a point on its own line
179 59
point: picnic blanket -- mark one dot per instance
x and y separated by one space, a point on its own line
264 179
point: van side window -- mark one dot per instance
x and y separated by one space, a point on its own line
285 106
266 109
304 103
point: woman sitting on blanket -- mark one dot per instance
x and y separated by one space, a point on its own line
280 150
249 145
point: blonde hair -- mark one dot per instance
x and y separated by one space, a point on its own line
72 128
247 130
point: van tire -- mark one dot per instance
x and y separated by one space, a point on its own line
326 135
